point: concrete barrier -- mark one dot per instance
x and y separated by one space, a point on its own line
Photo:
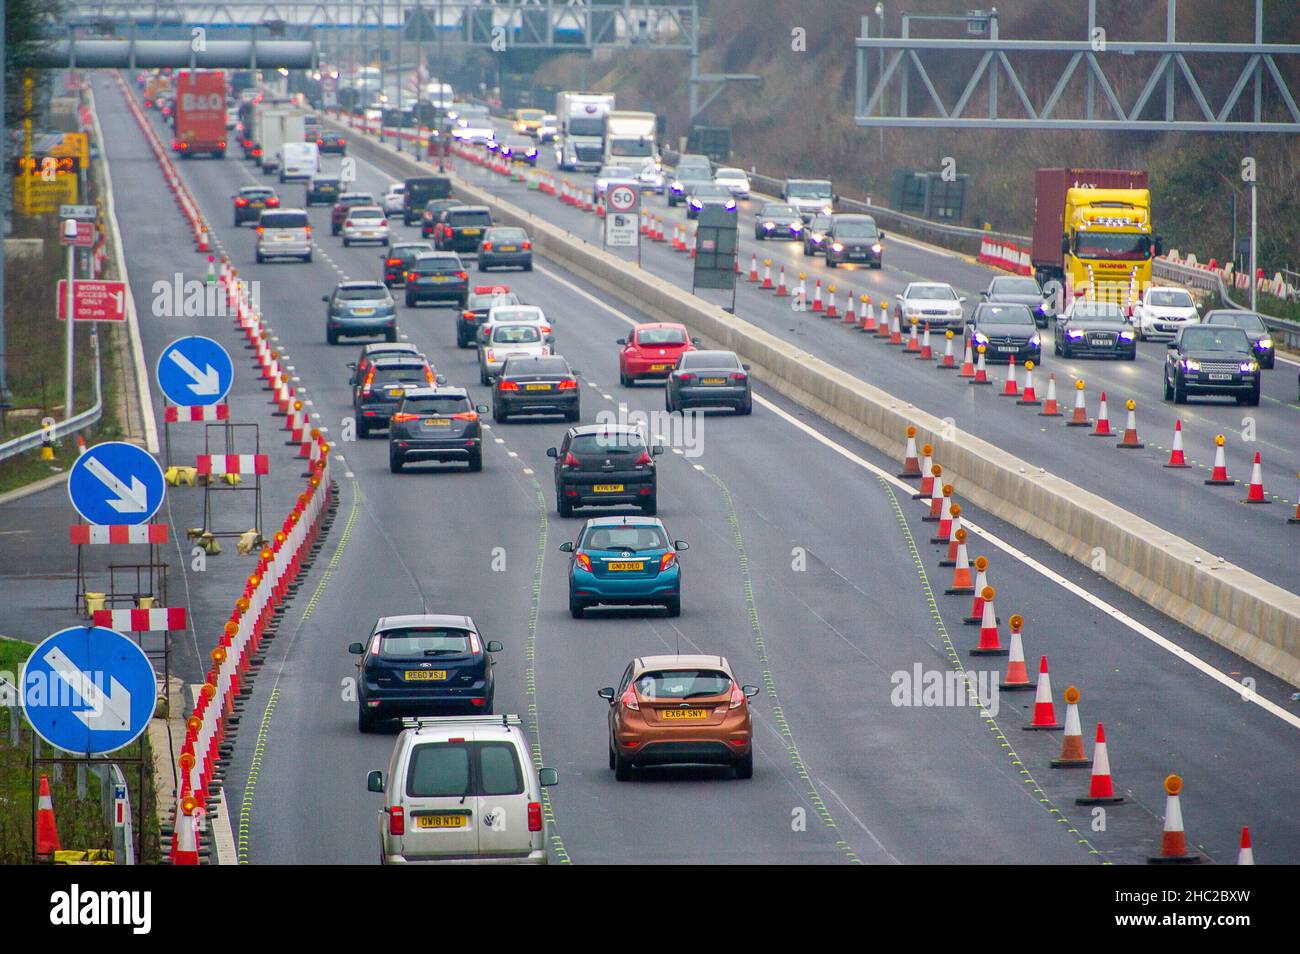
1254 618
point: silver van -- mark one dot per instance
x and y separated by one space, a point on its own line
283 233
462 790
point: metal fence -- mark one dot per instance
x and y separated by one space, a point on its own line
1209 280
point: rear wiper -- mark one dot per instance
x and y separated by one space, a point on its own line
441 652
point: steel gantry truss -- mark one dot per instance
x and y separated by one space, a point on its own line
900 81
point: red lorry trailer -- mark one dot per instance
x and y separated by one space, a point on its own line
201 112
1050 186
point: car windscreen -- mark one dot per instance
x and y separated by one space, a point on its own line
409 251
1215 338
366 214
660 336
257 193
437 404
864 230
417 642
1170 298
491 301
1245 321
612 443
508 235
1016 286
432 266
711 190
808 190
283 220
517 313
585 126
469 219
401 374
364 293
324 183
516 334
555 365
731 174
693 173
682 683
1105 311
624 538
708 359
1005 315
772 209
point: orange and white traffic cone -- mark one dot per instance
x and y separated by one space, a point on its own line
951 558
1101 790
81 445
185 848
1246 855
767 274
1072 753
1049 405
990 643
967 362
911 466
944 533
781 290
850 310
47 831
895 331
1296 518
1080 416
1255 494
981 584
936 496
882 328
981 371
802 291
927 353
753 267
1044 710
1011 387
913 338
1102 427
868 317
831 310
1016 677
949 361
817 294
961 579
1176 458
1173 844
1130 439
1028 396
927 473
1219 475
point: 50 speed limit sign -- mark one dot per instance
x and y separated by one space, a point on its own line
622 218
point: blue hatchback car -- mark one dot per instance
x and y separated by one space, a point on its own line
624 561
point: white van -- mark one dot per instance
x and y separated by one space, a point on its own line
462 790
301 161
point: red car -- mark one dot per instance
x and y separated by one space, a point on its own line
652 351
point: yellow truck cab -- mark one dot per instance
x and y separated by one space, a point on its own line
1107 246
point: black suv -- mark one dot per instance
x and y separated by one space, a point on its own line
461 229
1261 339
323 190
437 424
333 142
251 200
399 258
602 465
1211 359
419 191
853 238
432 213
437 276
383 388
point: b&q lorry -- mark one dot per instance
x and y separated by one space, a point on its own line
201 112
1092 228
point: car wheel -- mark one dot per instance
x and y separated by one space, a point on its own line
624 380
260 258
528 267
1271 362
461 340
483 378
747 407
745 766
363 429
611 754
576 609
831 263
498 416
1253 398
346 243
1132 355
307 258
334 230
395 463
622 768
575 414
668 401
1180 391
565 508
758 235
390 336
365 724
476 462
1169 388
410 302
331 336
674 607
1067 351
650 507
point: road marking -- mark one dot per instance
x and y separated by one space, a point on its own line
1020 556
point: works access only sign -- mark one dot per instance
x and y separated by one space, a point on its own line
93 300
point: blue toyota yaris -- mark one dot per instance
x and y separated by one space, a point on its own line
626 561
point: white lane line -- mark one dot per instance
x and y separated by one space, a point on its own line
498 440
1097 602
511 454
528 471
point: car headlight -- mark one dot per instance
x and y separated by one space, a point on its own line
954 312
1126 336
1035 339
731 205
980 337
769 225
1263 344
877 248
1191 364
1042 309
1249 366
826 209
695 204
838 246
676 187
1074 334
796 227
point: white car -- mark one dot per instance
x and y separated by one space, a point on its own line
1163 310
734 179
616 174
393 199
509 341
547 130
934 303
515 314
476 130
365 223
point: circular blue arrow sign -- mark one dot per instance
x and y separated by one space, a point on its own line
116 482
195 371
88 690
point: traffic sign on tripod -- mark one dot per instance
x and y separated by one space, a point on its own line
622 216
88 690
116 483
195 371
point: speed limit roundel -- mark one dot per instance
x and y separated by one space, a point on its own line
622 198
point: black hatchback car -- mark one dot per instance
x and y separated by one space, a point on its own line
777 220
332 142
461 229
605 465
1006 330
541 385
398 259
432 214
1211 359
853 238
419 191
1096 329
251 200
384 387
423 665
709 379
323 190
505 246
815 234
436 424
437 277
1261 339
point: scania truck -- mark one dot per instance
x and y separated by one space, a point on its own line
580 138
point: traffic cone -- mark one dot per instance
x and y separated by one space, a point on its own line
753 268
81 444
185 845
967 363
911 466
1011 388
981 372
1219 475
945 516
767 274
1102 427
1176 458
927 353
990 644
212 270
949 361
936 498
802 291
981 584
47 831
1246 856
1101 790
1255 495
1049 406
659 228
1044 710
1130 439
1016 677
1173 845
817 294
850 311
781 291
1072 753
961 579
882 328
951 558
927 473
831 310
895 331
868 318
1028 396
1080 416
913 338
1296 518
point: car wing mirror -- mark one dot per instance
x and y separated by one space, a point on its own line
1171 346
546 777
621 341
481 408
493 646
375 782
566 546
696 342
607 693
681 545
657 450
749 691
962 299
324 297
352 365
439 379
356 649
552 452
575 372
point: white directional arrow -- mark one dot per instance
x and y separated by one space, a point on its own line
206 382
133 499
111 713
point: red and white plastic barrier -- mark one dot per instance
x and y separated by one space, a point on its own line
94 534
142 620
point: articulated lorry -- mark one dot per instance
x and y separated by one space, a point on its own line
580 135
1092 231
201 112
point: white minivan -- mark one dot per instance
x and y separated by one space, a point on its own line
301 161
462 790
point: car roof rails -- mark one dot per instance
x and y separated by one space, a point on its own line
426 722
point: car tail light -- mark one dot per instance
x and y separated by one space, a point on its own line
347 223
583 560
221 144
474 646
320 142
463 276
428 376
468 315
546 349
666 561
465 416
246 143
392 262
241 202
307 229
570 460
738 375
260 230
487 246
527 246
546 329
396 820
342 141
273 202
491 355
507 386
405 418
370 376
629 700
685 376
737 697
568 385
534 816
644 459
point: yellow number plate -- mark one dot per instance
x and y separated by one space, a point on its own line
437 422
509 248
714 380
660 367
363 311
624 565
471 231
537 387
396 392
426 675
438 278
608 488
441 821
684 713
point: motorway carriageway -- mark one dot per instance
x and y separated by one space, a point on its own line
817 609
1258 539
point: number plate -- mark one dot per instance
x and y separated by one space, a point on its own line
684 713
1007 348
396 392
608 488
1219 377
426 675
437 278
363 311
509 248
441 821
437 422
714 380
284 238
660 367
537 387
470 231
624 566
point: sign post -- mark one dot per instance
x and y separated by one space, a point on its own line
70 234
116 483
622 217
93 300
